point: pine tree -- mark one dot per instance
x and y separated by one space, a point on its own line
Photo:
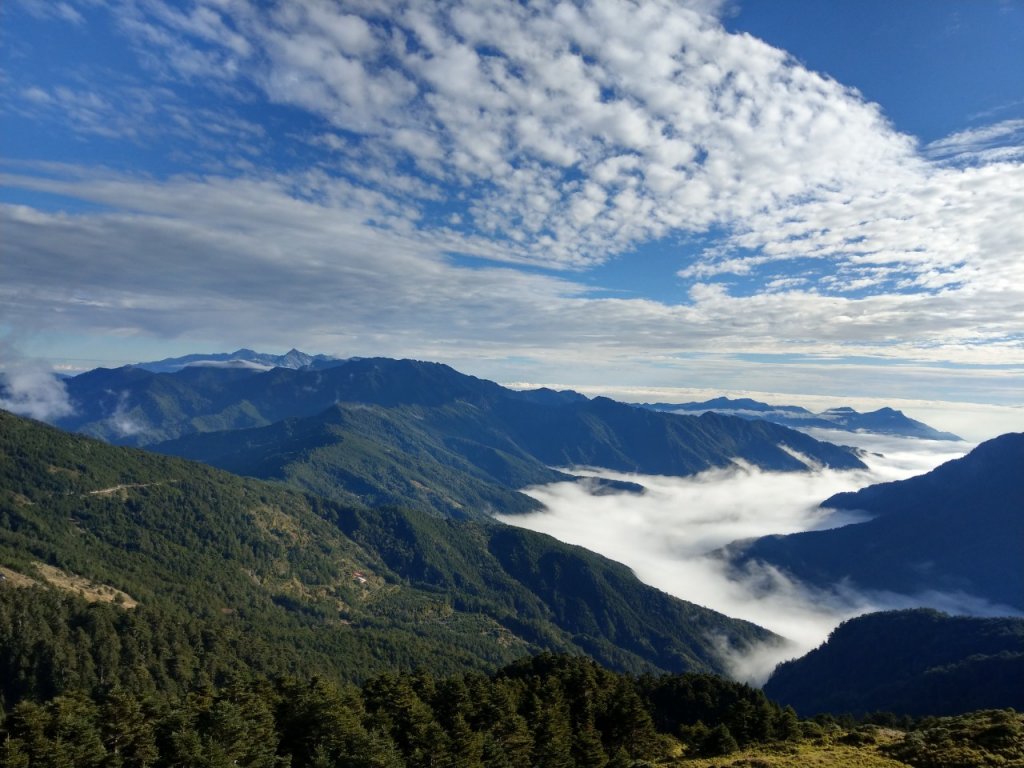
787 725
127 734
719 741
552 730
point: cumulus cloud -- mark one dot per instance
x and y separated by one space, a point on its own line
669 536
448 162
581 131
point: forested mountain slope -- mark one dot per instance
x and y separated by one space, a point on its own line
322 585
464 459
916 662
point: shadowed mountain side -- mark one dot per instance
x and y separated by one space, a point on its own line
958 528
917 662
468 459
605 433
375 456
132 406
333 589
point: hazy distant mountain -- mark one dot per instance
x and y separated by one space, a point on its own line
240 358
401 431
916 662
885 421
315 585
958 528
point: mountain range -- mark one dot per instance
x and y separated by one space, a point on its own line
375 548
957 529
381 431
884 421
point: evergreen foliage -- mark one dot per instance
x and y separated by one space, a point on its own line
547 710
914 662
287 583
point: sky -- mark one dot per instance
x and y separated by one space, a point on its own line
784 196
668 535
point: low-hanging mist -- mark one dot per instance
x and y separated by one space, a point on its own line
669 533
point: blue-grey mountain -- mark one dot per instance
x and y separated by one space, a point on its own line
884 421
958 528
379 431
240 358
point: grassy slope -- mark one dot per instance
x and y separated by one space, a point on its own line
975 740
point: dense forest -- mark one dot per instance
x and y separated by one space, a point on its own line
99 685
917 662
360 591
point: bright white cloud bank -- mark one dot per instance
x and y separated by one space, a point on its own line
407 136
665 534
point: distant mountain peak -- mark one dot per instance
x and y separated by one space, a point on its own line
886 420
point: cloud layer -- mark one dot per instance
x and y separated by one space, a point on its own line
438 180
667 533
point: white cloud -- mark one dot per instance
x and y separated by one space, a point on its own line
47 9
998 141
554 136
29 388
667 533
519 100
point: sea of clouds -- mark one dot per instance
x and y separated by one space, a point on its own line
669 533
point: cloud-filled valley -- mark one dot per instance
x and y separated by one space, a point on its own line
669 535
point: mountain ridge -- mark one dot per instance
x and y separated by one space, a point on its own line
884 421
914 662
352 590
415 432
957 529
241 358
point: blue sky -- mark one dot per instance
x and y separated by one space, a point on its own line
787 196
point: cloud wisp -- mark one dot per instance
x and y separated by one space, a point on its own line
667 536
29 388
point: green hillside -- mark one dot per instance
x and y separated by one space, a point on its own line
346 590
372 456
